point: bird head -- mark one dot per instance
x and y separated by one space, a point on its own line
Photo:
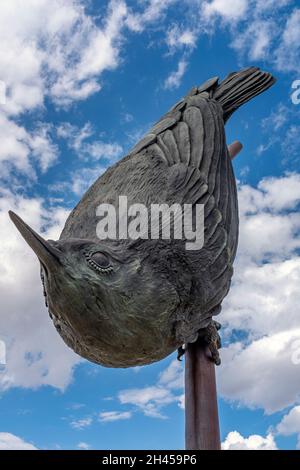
105 299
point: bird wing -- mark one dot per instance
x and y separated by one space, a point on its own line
190 139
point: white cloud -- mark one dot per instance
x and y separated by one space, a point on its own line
264 5
149 400
249 374
58 51
126 117
291 33
280 193
228 10
235 441
83 446
290 423
42 147
172 376
36 355
77 406
109 416
288 53
287 140
174 79
256 38
21 148
79 140
260 41
290 143
154 10
277 118
269 234
53 50
259 29
178 38
269 231
9 441
74 135
98 52
14 146
97 150
264 147
88 148
81 423
264 298
181 403
152 399
104 416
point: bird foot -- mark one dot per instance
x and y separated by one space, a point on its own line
180 352
212 340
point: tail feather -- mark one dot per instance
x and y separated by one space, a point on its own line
240 87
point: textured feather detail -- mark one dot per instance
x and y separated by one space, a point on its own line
194 147
240 87
200 171
193 118
170 142
208 85
182 137
185 185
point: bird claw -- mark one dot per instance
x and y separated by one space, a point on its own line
212 339
180 353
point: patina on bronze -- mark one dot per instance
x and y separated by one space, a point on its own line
123 303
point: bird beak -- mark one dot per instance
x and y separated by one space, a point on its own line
47 254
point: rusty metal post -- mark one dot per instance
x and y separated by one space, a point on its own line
202 430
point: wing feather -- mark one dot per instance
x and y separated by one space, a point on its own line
182 137
193 118
190 139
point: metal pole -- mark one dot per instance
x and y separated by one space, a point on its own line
201 407
202 430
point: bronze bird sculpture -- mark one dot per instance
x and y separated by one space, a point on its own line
123 302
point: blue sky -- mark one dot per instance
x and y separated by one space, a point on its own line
81 81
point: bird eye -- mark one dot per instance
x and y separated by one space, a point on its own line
99 261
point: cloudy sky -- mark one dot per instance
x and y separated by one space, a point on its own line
80 82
